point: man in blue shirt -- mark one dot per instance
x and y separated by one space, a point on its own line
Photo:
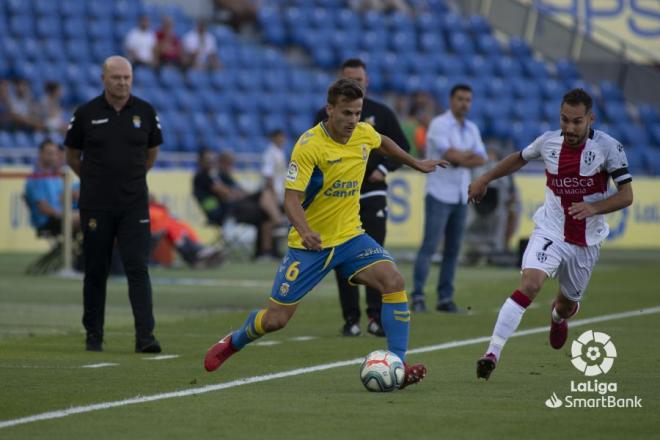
44 190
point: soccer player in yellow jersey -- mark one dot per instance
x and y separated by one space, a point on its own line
322 203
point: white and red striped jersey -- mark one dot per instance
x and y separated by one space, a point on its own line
576 174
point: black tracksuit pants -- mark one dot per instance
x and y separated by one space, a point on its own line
131 229
373 213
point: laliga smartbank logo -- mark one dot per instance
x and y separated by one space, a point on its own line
593 354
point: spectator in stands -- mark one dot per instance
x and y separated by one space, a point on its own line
453 137
383 6
168 46
274 165
182 237
495 218
220 196
240 12
44 191
4 103
140 44
200 48
23 110
52 113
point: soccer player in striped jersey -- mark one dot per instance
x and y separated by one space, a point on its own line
570 225
322 202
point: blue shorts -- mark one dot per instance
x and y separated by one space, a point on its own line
301 270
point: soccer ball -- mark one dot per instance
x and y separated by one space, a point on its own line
382 371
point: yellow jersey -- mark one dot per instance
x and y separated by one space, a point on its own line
330 174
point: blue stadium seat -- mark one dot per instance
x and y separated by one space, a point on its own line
610 92
399 22
648 114
78 51
451 65
402 41
244 102
223 124
550 111
497 87
72 8
100 29
519 48
214 102
6 139
428 23
373 20
18 7
171 77
22 26
275 33
432 43
248 124
223 80
248 79
497 108
452 22
198 79
654 134
295 17
527 109
300 81
126 10
201 122
49 28
144 76
479 66
11 48
23 139
615 113
551 89
27 70
53 49
347 19
100 9
102 49
525 89
523 133
298 124
74 28
488 45
272 122
322 17
500 128
461 43
535 69
652 159
566 70
507 67
633 135
478 25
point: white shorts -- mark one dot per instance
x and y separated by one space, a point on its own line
571 264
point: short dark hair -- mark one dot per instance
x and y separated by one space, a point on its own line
353 63
576 97
349 89
459 87
202 151
47 141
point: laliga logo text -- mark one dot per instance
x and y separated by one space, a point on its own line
593 354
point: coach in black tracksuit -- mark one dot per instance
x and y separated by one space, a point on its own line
112 142
373 199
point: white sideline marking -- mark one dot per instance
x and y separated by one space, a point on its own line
297 372
161 357
302 338
100 365
267 343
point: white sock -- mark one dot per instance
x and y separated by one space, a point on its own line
507 322
555 316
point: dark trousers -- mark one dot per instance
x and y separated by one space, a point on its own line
373 213
131 229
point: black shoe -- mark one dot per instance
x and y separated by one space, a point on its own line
93 343
375 328
418 305
351 329
450 307
149 345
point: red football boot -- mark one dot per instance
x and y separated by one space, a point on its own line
486 365
218 353
559 332
414 374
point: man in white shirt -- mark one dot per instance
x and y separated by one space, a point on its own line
570 225
274 166
140 44
453 137
200 48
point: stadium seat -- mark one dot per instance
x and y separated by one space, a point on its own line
633 135
519 48
507 67
223 124
460 43
347 19
74 28
535 69
527 109
654 134
49 28
22 26
428 22
298 124
610 92
100 29
478 25
102 49
197 79
566 70
373 20
272 122
248 124
6 139
97 9
652 160
615 113
72 8
18 7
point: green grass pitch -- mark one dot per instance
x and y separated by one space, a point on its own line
42 359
